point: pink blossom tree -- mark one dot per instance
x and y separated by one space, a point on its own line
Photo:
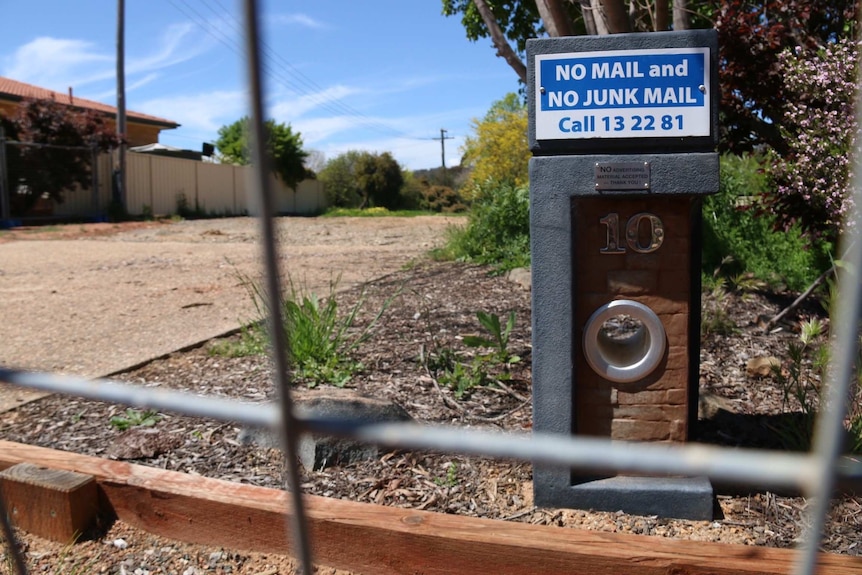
809 183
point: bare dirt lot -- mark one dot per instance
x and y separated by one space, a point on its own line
109 296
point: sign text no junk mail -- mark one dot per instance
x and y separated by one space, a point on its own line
623 94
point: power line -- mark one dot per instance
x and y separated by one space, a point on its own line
278 68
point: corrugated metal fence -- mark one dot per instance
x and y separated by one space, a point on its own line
157 185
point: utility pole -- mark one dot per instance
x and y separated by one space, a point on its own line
120 173
443 138
4 193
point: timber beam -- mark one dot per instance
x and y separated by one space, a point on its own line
368 538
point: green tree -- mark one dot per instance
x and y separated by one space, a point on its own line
339 180
283 146
363 179
380 180
751 35
498 151
512 22
58 143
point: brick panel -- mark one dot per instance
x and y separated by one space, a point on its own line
655 408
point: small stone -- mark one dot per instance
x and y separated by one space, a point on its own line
120 543
521 276
761 366
316 453
142 443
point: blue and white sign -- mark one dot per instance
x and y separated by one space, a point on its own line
623 94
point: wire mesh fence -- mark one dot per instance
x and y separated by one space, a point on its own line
816 473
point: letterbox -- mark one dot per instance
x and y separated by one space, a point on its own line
623 130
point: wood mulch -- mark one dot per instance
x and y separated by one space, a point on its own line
435 308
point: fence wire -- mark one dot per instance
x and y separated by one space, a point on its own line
816 473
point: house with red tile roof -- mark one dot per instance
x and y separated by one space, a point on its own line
142 128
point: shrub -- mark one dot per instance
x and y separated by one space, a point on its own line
339 181
741 239
810 181
363 179
441 199
498 229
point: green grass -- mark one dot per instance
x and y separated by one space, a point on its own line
135 418
376 213
252 341
321 338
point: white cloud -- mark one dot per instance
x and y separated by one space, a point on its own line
299 18
112 93
204 113
142 82
57 63
54 63
314 130
287 109
172 50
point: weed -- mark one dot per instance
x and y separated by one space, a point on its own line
461 373
801 384
319 338
252 341
451 479
715 309
500 343
135 418
855 434
498 229
185 211
462 377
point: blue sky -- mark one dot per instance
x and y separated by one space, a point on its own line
377 75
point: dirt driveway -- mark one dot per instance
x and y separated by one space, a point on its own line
91 301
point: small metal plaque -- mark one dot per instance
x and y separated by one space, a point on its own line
621 176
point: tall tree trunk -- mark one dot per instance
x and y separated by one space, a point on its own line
589 20
504 50
662 15
599 17
681 15
554 17
616 17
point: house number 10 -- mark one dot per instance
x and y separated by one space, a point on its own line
650 241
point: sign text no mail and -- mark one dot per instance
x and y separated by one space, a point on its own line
623 94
